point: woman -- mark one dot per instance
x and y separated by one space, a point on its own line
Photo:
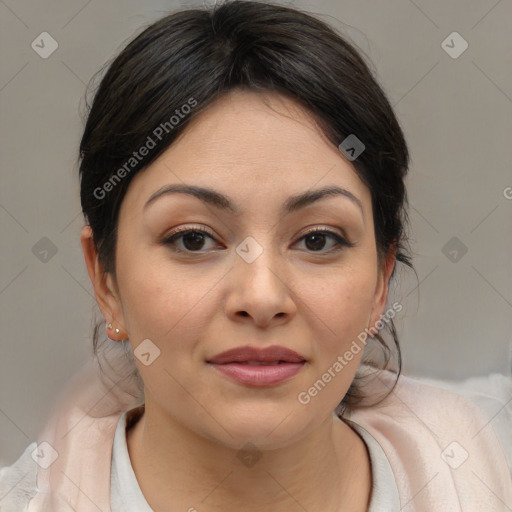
242 180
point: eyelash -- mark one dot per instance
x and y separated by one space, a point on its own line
341 243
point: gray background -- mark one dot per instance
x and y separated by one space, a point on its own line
457 118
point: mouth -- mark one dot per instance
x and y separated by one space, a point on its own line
261 363
258 367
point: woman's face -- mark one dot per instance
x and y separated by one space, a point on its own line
254 279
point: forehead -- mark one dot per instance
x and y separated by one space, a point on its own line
245 127
248 142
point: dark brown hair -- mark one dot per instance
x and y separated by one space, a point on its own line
192 57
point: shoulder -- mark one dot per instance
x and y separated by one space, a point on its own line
489 393
18 482
458 431
492 395
447 408
485 390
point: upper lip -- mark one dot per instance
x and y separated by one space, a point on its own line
264 355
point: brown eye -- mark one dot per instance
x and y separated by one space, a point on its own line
315 240
192 240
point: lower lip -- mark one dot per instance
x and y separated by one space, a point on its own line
259 375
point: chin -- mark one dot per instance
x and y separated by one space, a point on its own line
267 430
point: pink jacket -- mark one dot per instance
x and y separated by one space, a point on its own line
443 452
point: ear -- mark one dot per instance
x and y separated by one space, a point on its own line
105 288
381 290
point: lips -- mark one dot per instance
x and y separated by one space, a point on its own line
258 367
258 356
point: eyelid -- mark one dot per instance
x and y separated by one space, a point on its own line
202 229
190 227
341 239
323 229
170 238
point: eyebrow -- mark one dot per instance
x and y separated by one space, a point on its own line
223 202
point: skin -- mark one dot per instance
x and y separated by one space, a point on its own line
258 150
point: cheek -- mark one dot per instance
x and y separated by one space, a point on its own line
163 306
343 306
340 314
150 291
169 304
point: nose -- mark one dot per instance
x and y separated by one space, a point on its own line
260 291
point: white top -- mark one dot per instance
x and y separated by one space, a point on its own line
492 393
126 495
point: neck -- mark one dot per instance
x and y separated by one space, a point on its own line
174 465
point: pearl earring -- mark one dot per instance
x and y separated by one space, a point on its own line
116 329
